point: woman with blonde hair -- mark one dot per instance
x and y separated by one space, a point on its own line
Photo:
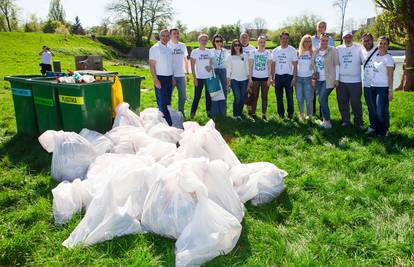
304 89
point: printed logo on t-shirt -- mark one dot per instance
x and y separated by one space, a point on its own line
305 57
203 56
319 62
347 59
260 62
178 51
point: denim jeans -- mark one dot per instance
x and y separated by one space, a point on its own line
350 93
163 96
239 91
218 108
370 106
381 105
180 84
197 95
284 82
323 99
304 94
221 74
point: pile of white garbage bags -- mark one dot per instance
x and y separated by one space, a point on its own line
145 176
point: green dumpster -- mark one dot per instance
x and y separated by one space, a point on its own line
46 102
131 89
24 108
86 106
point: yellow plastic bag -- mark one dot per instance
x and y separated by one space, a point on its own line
117 95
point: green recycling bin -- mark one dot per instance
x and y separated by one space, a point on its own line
86 105
46 100
131 90
24 109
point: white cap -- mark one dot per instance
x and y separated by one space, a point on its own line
346 33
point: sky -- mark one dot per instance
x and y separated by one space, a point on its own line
197 14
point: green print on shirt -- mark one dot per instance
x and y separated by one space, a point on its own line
319 62
260 62
219 58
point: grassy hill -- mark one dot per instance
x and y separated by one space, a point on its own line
349 198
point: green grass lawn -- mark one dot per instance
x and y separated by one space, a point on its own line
349 199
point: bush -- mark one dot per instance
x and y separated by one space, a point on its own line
116 42
50 26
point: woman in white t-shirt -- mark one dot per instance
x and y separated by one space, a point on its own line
260 77
304 89
381 85
237 65
219 55
201 67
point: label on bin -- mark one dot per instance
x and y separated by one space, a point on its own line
21 92
44 101
73 100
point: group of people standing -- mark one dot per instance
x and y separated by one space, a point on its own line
315 69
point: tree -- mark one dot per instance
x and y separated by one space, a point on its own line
56 11
77 28
230 31
402 12
50 26
142 16
342 5
8 11
33 25
260 26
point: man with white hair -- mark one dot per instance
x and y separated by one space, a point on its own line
349 91
321 29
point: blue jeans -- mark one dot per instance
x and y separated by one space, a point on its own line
370 105
284 82
180 84
323 99
163 96
197 95
380 101
221 74
304 93
239 89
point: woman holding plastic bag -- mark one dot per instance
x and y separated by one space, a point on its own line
219 55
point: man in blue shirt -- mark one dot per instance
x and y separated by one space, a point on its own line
321 28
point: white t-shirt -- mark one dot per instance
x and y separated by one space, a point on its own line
180 52
369 68
320 65
237 67
163 57
349 63
47 58
380 64
304 65
283 58
248 49
219 57
260 63
202 60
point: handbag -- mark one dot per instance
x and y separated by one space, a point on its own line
213 86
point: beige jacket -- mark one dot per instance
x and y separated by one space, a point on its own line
330 63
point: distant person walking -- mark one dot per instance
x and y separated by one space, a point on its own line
181 67
46 61
237 65
368 52
382 86
304 90
284 71
349 91
261 77
161 67
326 76
202 69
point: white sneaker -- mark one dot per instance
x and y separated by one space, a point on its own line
238 118
326 125
345 124
370 130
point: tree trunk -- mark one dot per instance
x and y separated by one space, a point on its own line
409 57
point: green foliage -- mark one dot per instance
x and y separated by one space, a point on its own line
33 25
76 27
297 27
50 26
56 11
116 42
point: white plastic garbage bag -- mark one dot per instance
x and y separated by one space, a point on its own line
177 118
116 211
151 117
165 133
261 182
207 138
212 232
68 199
123 138
126 117
101 143
72 154
171 201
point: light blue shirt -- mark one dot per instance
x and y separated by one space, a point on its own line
315 41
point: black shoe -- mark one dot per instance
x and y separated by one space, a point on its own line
264 117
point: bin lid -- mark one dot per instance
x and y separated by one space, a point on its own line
98 73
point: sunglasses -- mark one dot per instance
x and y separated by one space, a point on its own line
218 41
237 45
